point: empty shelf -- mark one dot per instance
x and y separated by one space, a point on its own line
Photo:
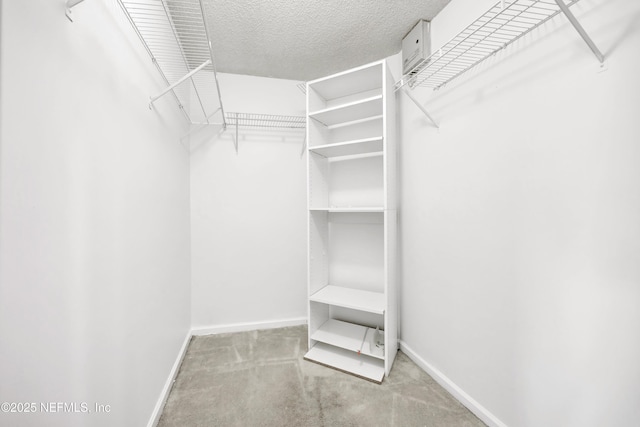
350 112
349 82
348 336
355 299
347 361
341 334
350 148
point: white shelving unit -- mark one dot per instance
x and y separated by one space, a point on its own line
352 221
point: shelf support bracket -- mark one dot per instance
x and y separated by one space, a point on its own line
304 145
171 87
235 141
576 24
206 119
71 4
424 110
215 72
197 126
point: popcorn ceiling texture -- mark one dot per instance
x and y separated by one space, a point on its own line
307 39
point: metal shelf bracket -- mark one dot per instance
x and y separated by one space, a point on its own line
576 24
69 6
304 145
171 87
424 110
236 141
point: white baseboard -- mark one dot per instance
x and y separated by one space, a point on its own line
249 326
480 411
157 411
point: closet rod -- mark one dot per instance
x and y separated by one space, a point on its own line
175 34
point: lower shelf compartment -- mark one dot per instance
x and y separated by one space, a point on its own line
347 361
349 336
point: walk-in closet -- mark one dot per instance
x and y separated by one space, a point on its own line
320 213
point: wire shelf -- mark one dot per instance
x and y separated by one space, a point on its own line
500 26
175 35
265 120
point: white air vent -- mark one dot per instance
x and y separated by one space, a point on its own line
416 46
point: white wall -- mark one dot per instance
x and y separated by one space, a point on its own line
94 218
521 223
248 213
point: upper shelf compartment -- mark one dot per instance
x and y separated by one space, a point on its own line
345 89
362 109
500 26
175 35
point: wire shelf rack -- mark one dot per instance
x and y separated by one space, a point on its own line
272 121
501 25
175 35
265 120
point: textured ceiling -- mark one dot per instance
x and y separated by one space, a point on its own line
306 39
